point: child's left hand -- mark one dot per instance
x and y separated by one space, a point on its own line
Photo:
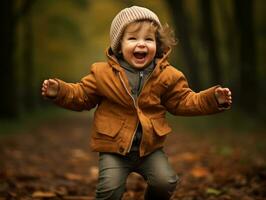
223 96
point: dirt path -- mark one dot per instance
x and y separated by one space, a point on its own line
53 161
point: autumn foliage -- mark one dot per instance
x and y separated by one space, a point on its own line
53 161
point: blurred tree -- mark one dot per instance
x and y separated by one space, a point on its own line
181 24
9 93
81 4
248 86
9 103
30 93
208 38
228 41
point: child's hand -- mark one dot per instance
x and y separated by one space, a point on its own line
223 96
50 88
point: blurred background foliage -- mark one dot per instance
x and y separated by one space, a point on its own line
220 42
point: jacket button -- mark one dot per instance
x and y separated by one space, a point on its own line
121 149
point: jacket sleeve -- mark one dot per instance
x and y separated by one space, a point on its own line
181 100
78 96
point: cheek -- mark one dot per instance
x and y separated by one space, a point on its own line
126 48
153 51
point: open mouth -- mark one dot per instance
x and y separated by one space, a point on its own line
140 55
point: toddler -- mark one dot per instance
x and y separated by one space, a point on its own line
132 91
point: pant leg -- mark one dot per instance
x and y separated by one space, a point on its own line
113 172
160 176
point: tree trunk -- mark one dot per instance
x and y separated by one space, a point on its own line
249 87
29 75
180 20
8 80
230 41
210 42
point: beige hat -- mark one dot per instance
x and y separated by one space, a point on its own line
125 17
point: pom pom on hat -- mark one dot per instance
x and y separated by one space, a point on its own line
124 18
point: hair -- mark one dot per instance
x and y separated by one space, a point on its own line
165 37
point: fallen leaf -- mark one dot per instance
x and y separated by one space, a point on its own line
189 157
213 191
199 172
78 198
80 154
94 172
41 194
73 177
62 191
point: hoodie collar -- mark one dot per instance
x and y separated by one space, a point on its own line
128 67
160 63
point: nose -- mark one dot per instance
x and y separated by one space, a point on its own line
141 43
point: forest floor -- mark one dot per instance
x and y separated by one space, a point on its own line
53 161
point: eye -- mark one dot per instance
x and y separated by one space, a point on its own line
131 38
149 39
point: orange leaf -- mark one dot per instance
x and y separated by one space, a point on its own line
41 194
73 177
190 157
199 172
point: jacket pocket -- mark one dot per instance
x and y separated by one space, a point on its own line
108 126
161 126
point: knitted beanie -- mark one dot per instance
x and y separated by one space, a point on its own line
124 18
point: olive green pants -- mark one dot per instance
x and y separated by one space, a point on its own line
114 170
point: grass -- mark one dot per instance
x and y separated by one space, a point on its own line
28 121
226 131
230 120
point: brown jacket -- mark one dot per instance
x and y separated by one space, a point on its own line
117 114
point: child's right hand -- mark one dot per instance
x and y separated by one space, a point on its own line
50 88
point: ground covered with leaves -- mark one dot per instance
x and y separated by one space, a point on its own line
53 161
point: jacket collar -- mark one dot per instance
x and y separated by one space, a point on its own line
160 63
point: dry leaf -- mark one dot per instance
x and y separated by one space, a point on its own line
189 157
73 177
213 191
199 172
41 194
94 172
80 154
78 198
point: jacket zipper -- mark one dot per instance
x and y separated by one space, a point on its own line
135 103
139 95
140 80
135 107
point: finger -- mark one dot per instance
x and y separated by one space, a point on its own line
52 81
227 91
46 82
224 93
45 87
219 91
227 94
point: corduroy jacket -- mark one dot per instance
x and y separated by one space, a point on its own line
117 114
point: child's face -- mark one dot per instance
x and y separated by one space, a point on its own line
139 44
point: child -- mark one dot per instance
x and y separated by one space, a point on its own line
132 92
